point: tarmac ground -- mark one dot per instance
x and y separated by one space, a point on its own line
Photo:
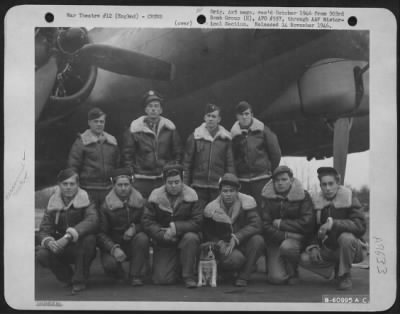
101 287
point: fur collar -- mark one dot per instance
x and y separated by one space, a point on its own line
114 202
215 210
343 199
202 133
296 192
159 197
257 125
88 138
139 125
80 200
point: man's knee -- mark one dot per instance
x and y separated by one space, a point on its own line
141 240
109 263
190 238
42 256
305 259
347 239
256 242
233 261
289 248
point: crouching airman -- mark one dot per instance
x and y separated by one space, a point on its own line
67 232
173 220
340 223
288 223
232 221
121 235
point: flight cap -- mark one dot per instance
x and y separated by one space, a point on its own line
121 172
150 96
229 179
66 174
282 169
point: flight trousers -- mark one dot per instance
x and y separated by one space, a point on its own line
283 260
80 254
171 262
341 259
244 257
137 252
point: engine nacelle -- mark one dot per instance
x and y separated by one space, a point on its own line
330 88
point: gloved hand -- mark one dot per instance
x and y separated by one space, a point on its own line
315 255
172 228
62 242
231 246
323 231
129 233
118 254
276 223
53 246
169 236
222 247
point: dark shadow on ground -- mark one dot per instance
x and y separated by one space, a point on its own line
102 288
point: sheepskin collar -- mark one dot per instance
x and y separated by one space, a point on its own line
159 197
296 192
139 125
202 133
80 200
114 202
256 125
88 138
216 209
343 199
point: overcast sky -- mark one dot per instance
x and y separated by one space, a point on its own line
357 169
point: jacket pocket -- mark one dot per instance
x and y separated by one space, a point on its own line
200 145
292 210
147 161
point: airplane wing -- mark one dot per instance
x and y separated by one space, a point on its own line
223 66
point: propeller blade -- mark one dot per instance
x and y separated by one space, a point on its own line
44 81
341 145
126 62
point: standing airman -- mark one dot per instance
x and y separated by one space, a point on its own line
151 142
